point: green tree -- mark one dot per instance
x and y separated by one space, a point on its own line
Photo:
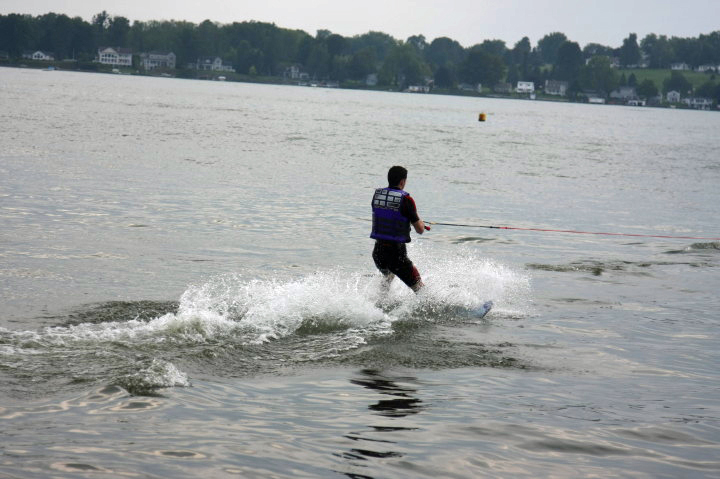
363 63
403 67
569 62
707 89
493 47
418 42
336 45
647 89
318 61
482 67
446 76
598 75
630 51
381 43
659 50
443 50
677 82
117 32
521 56
549 45
597 50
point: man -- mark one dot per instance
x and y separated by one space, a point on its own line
393 211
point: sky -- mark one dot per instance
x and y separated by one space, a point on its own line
469 22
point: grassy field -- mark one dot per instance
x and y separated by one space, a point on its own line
659 75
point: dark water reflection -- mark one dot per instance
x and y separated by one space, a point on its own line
403 402
376 443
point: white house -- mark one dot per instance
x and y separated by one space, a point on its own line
294 73
624 93
115 56
525 87
679 66
418 89
152 60
215 64
39 55
707 68
698 103
555 87
673 96
371 79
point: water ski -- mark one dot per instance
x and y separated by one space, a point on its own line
483 310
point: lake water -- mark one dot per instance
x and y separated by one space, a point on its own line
186 288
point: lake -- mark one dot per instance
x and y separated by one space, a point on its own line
186 287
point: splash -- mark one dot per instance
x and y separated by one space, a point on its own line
232 309
156 375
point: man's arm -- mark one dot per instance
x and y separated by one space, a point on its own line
420 227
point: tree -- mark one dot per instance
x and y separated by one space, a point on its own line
403 66
482 67
521 53
569 62
117 32
598 75
493 47
549 45
677 82
597 50
336 45
630 51
707 89
381 43
647 89
632 80
418 42
659 50
444 51
446 76
362 63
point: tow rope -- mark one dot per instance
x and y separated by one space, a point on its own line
547 230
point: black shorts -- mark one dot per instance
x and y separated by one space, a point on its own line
391 257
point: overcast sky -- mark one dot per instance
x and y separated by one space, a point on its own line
467 21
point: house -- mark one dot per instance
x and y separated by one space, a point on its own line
673 96
418 89
211 64
468 87
294 73
502 87
39 55
707 68
153 60
680 66
624 93
371 79
699 103
525 87
115 56
636 102
556 87
594 96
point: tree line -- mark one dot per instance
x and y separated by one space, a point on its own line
266 49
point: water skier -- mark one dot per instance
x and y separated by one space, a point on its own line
393 211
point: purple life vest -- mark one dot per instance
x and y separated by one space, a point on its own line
388 223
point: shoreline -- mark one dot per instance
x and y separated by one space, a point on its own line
265 80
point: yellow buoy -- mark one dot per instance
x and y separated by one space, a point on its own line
482 117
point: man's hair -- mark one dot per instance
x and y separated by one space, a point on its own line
396 174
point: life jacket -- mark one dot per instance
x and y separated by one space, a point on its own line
387 221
